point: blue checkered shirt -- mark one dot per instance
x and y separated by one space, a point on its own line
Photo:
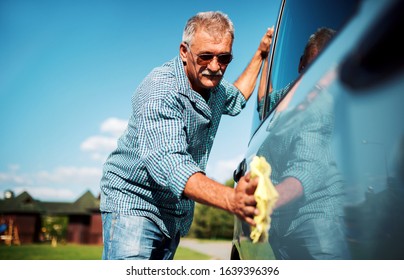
169 137
298 145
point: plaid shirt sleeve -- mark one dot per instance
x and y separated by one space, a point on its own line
164 144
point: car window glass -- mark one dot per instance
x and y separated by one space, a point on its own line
333 132
299 20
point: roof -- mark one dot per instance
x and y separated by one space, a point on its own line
24 203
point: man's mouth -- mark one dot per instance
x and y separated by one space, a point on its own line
212 74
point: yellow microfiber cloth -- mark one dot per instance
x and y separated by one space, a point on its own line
266 196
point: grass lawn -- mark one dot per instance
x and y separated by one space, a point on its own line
74 252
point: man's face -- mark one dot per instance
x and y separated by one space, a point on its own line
204 77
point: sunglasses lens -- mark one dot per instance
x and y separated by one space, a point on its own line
224 58
205 59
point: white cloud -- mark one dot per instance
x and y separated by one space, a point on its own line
99 157
114 126
67 182
62 183
78 176
100 146
14 167
48 193
222 170
12 177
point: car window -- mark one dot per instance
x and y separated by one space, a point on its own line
333 132
299 20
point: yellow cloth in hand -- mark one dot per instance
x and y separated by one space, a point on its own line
266 196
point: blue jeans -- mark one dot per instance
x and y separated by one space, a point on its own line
135 238
315 239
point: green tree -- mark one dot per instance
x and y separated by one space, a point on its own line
54 228
212 223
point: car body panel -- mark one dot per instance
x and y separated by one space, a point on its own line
367 140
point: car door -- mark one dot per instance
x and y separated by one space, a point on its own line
318 129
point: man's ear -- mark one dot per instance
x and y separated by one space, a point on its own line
183 52
301 66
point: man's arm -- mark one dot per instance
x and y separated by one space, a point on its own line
263 82
306 171
289 190
248 79
239 201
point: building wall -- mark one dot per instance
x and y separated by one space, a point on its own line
96 229
28 226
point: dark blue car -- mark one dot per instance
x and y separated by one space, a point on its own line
334 127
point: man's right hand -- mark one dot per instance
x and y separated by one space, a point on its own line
244 201
266 42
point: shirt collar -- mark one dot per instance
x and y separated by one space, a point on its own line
183 81
184 87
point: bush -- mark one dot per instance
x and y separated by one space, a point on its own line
212 223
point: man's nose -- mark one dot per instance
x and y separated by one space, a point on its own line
214 65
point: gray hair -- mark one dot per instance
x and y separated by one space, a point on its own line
315 45
320 38
216 24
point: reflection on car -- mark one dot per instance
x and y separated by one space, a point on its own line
332 131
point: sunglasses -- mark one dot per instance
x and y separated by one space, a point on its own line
204 59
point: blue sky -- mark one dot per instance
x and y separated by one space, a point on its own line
67 73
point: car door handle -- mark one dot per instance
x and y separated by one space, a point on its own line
240 171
